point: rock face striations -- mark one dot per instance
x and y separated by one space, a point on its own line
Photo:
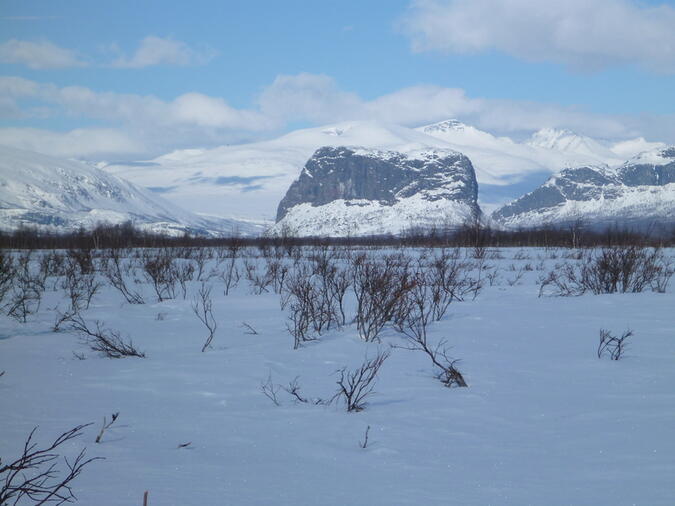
346 191
639 192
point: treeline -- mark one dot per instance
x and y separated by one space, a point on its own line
473 235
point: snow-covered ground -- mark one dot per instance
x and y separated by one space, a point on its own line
543 421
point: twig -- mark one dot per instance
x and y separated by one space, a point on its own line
364 444
251 330
105 426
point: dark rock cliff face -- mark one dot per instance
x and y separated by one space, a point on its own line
586 184
334 173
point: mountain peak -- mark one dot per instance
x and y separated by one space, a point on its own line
448 125
658 156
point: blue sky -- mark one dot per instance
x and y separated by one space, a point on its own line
208 72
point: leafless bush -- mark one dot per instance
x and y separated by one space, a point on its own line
379 288
83 258
230 275
201 257
270 390
202 306
26 294
115 271
305 317
293 389
259 281
612 345
449 280
52 264
416 307
34 477
79 286
354 387
447 371
7 273
185 271
160 270
108 342
612 270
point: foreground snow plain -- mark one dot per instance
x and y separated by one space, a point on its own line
543 421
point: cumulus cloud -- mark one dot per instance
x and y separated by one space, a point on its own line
579 33
38 55
163 51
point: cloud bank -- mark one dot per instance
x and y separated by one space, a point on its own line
144 125
583 34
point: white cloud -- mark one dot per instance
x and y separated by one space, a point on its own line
580 33
163 51
145 125
38 55
309 97
318 99
78 143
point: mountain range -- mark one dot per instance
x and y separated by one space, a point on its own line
552 176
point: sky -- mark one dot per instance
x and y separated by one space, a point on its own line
133 80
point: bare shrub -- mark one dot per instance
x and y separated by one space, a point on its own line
259 280
80 286
201 258
160 270
354 387
115 270
202 306
185 271
26 294
7 273
379 288
270 390
304 315
611 270
84 259
612 345
34 477
108 342
449 281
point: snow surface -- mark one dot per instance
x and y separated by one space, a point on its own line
249 180
543 421
345 218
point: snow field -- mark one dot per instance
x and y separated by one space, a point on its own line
543 421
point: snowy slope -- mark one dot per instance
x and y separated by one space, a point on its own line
640 192
548 149
64 195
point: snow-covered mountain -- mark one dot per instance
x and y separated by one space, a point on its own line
346 191
249 180
64 195
641 191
